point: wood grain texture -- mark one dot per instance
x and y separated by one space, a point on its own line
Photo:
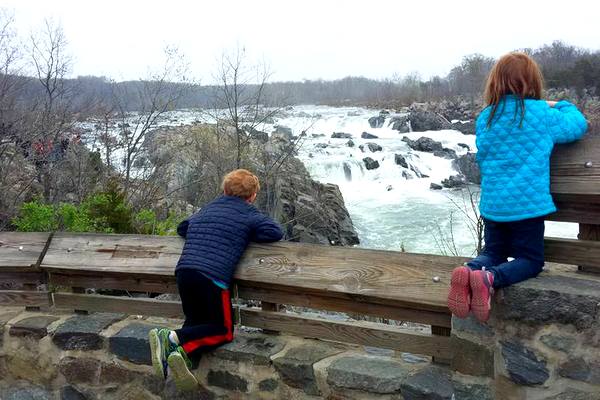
375 276
21 251
569 174
158 284
367 334
126 305
573 252
28 279
24 298
324 302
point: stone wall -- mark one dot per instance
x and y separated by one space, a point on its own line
46 355
542 342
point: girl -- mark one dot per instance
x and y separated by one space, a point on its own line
515 136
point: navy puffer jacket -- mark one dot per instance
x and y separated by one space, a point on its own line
217 235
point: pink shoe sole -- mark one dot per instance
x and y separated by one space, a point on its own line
481 291
459 296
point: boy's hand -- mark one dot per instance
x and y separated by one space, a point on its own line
551 103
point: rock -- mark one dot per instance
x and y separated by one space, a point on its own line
131 343
431 383
256 348
472 391
341 135
200 393
454 181
473 358
435 186
71 393
552 299
82 332
524 367
350 143
467 128
227 380
80 370
373 375
389 188
579 369
384 112
318 135
367 135
26 393
423 144
472 326
400 124
374 147
468 167
377 122
465 146
296 366
370 163
427 121
559 342
406 175
268 385
445 153
400 160
34 327
574 394
321 145
283 130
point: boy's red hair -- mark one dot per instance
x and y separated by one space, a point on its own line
241 183
514 73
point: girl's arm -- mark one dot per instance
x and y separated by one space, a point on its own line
565 122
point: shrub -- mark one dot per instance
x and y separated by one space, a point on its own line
35 216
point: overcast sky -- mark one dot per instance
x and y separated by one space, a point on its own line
306 39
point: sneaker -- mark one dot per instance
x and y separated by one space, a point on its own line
459 296
482 289
180 365
160 348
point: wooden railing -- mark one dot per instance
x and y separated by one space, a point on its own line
359 282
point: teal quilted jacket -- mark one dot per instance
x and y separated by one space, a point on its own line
514 158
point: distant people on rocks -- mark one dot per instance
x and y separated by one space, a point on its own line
515 134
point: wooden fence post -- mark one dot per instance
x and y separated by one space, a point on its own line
440 331
588 232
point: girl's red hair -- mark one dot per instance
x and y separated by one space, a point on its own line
514 73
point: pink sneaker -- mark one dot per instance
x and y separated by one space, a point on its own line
459 296
482 289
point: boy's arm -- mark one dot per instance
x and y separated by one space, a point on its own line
183 227
566 123
265 230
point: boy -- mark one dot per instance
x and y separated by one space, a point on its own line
215 239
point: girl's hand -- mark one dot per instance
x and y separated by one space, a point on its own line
551 103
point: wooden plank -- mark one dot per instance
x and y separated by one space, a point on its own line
573 208
575 168
21 251
159 284
324 302
141 254
8 279
573 252
127 305
367 334
383 277
24 298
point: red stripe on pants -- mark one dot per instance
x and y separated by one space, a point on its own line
218 339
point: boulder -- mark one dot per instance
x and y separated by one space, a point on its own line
399 159
374 147
377 122
283 130
435 186
350 143
400 124
423 144
467 128
370 163
446 153
367 135
468 167
321 145
341 135
421 121
454 182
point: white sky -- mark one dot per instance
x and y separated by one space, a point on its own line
305 38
